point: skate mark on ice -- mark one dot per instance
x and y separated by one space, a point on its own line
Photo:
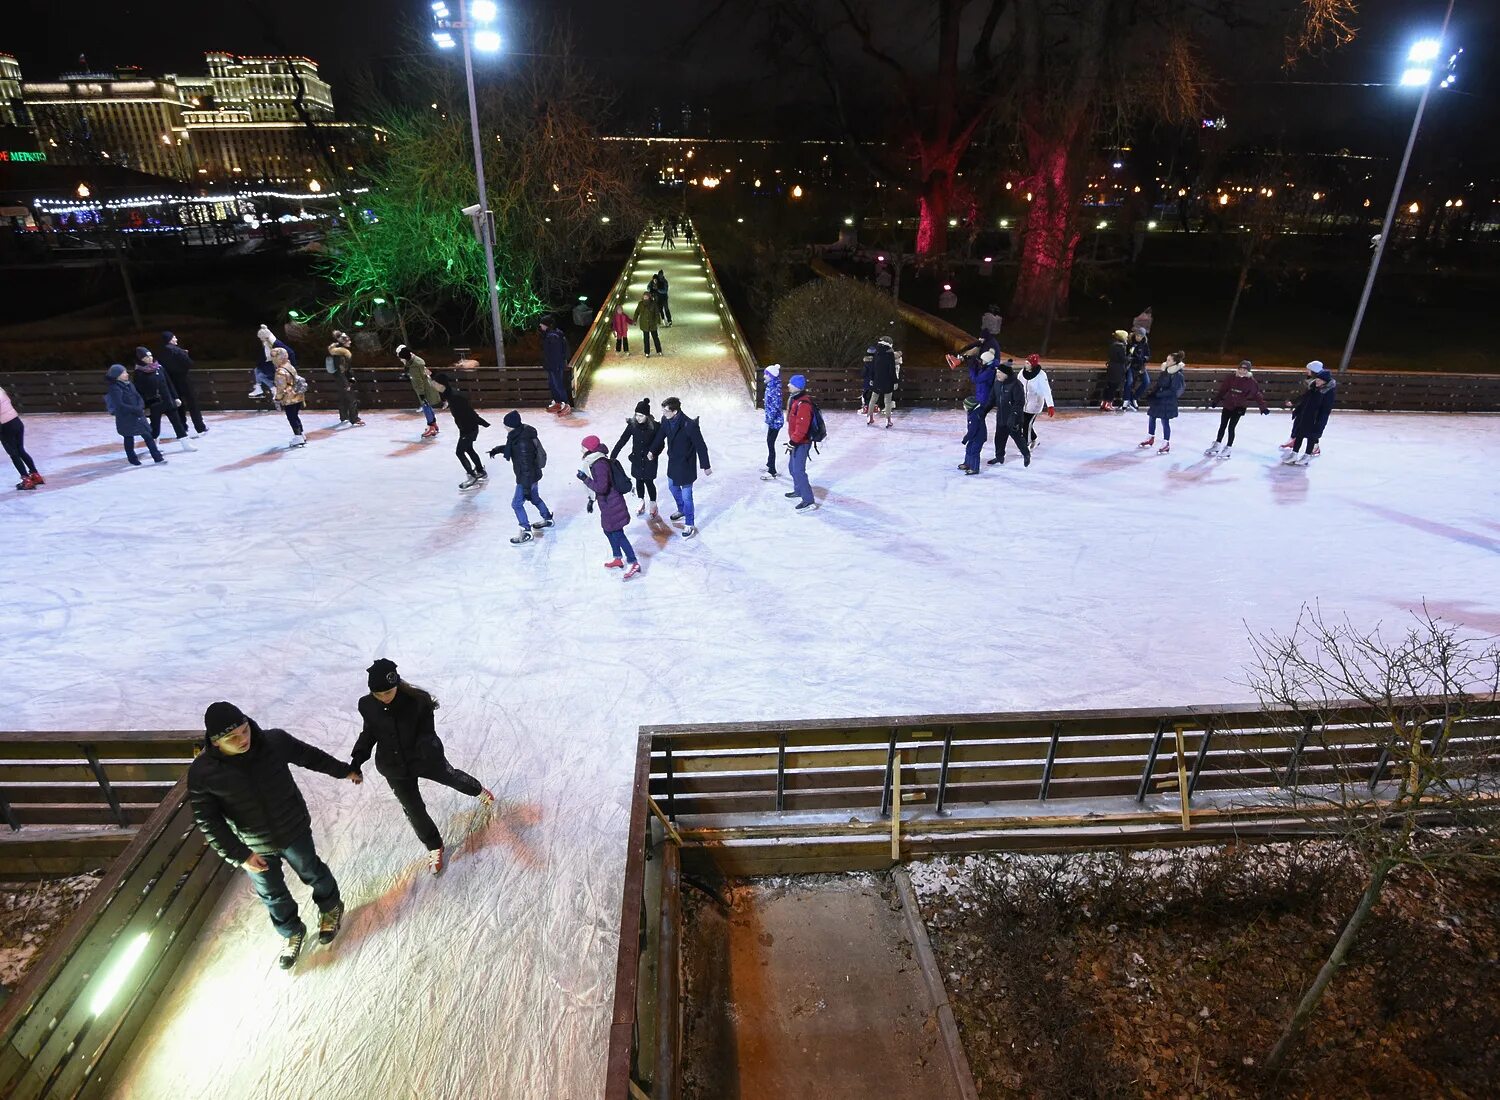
1431 526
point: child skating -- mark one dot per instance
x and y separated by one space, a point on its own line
974 438
1310 415
1162 402
1235 396
598 472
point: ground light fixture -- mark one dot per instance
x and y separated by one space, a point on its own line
118 971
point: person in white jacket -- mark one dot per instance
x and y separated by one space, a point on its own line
1038 397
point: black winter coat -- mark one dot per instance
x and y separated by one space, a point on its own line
402 734
555 351
1310 413
521 448
250 803
1009 397
177 362
155 388
640 436
1115 367
686 451
465 418
883 370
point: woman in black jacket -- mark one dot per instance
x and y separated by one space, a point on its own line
640 431
468 423
399 727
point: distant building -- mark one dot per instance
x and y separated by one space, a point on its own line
11 111
249 118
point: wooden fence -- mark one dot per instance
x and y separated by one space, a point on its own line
66 1029
744 356
600 336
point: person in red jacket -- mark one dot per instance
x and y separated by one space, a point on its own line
1236 394
800 413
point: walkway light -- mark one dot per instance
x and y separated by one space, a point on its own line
116 975
314 186
848 221
83 191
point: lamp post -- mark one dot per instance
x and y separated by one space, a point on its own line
474 25
1418 73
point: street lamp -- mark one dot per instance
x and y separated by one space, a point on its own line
1418 73
474 26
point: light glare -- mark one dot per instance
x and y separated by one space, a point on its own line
118 973
487 41
443 39
483 11
1424 50
1415 78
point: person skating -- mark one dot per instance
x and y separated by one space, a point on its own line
1162 401
1235 394
13 438
523 447
290 392
663 296
249 809
640 433
991 321
980 357
124 402
555 358
265 370
596 472
1038 397
1114 371
179 367
974 438
801 418
341 365
468 422
1310 415
620 323
775 417
155 386
399 727
648 318
1009 399
1137 379
682 439
421 384
885 376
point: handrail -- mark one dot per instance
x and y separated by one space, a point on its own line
595 343
742 351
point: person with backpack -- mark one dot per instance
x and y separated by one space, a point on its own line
1163 397
974 438
639 431
179 367
1235 395
804 427
265 370
1038 397
126 405
527 458
421 384
1009 399
290 392
884 376
400 728
620 323
648 317
555 358
340 364
775 417
608 483
682 439
13 437
468 422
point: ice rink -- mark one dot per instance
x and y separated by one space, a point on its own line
1102 575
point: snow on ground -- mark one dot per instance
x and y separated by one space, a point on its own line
1102 576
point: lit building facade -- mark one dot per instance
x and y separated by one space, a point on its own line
10 91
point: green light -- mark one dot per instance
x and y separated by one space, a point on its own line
294 315
380 301
359 324
117 974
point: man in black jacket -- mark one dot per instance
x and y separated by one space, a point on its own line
179 365
527 457
1008 398
681 438
250 810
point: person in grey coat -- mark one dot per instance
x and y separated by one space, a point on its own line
125 403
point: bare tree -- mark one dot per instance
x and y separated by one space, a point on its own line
1394 747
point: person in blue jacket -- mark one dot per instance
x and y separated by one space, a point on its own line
682 439
775 417
1162 399
974 438
127 406
555 356
1310 415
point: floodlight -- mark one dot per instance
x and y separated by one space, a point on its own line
487 41
443 39
1424 50
484 11
1415 78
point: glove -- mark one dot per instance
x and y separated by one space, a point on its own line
494 451
1051 412
591 504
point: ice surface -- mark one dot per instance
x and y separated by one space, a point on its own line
1102 576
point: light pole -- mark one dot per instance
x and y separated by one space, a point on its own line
1419 72
474 25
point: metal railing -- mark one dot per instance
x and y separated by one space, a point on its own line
749 368
595 344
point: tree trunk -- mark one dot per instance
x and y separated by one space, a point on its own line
1330 967
1234 305
1051 234
932 222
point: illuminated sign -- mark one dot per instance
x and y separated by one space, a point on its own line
20 156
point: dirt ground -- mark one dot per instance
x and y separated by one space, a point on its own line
31 913
1172 974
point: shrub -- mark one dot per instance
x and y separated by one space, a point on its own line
828 323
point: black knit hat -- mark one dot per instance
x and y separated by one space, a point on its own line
168 336
383 675
221 717
511 419
643 406
142 354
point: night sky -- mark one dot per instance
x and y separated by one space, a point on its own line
639 53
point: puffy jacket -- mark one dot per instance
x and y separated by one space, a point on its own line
1310 414
555 352
977 431
129 408
642 461
1118 357
1038 390
155 387
177 361
682 439
648 314
1239 393
1164 393
250 803
521 448
883 370
465 418
1009 398
614 513
799 417
416 373
343 360
1139 352
286 385
983 377
775 415
402 733
620 323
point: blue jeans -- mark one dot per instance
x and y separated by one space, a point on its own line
683 495
798 465
150 444
429 414
266 378
1166 428
620 545
518 503
270 885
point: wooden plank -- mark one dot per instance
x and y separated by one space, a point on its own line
12 774
80 814
668 999
937 993
618 1059
76 793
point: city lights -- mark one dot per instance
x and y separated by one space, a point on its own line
797 191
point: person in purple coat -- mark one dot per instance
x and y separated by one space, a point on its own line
614 513
1235 395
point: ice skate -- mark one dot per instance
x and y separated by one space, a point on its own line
553 406
1148 442
184 445
1314 451
633 571
482 474
258 391
468 482
486 798
1289 444
1225 452
998 460
888 422
37 479
542 524
654 513
1165 448
767 475
1289 457
675 516
328 923
807 505
26 483
297 441
356 423
291 947
641 511
524 536
689 531
566 410
792 494
430 432
437 860
1213 449
968 472
1105 406
870 421
1300 460
193 433
159 460
615 564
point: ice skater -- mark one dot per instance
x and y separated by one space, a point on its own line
399 726
1235 394
265 371
1114 371
884 377
555 359
640 432
1038 397
648 318
980 357
156 389
1137 378
1009 399
179 367
775 417
991 321
803 423
682 439
290 392
527 458
250 811
421 384
620 323
340 364
468 422
598 472
1162 401
1310 415
13 437
124 402
974 438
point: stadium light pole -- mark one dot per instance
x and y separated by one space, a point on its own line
475 25
1420 59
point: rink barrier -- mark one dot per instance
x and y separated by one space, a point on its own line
599 339
55 784
65 1030
744 356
